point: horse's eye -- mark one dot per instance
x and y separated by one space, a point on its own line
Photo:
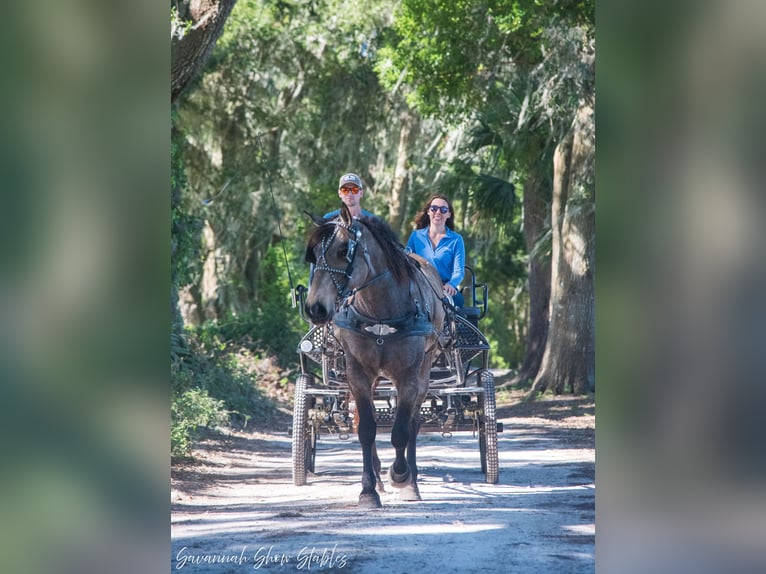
343 251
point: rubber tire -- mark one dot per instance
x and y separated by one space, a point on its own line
488 428
301 439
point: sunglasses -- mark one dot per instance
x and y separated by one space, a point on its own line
354 190
435 208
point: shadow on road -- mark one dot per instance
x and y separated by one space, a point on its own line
238 509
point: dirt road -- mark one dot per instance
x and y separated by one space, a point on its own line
235 509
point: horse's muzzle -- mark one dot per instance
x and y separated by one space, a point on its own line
318 313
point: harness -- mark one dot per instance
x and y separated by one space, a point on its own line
412 324
347 316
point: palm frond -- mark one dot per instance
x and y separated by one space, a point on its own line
493 199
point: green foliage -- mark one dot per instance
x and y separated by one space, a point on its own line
189 411
458 55
279 326
178 27
517 69
287 104
213 383
297 93
185 227
214 368
444 50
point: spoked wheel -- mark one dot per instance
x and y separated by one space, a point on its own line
488 428
304 435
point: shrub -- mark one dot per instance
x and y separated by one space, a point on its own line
214 383
190 411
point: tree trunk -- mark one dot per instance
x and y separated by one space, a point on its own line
569 359
190 48
400 184
539 280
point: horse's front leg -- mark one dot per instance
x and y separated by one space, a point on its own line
369 498
403 472
376 467
411 456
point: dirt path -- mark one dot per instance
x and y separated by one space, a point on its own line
235 509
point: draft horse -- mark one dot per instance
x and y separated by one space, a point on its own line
387 310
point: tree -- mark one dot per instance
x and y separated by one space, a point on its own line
470 54
569 359
287 103
536 209
196 25
296 93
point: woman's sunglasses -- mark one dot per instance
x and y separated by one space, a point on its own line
354 190
435 208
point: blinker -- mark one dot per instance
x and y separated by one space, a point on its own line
352 243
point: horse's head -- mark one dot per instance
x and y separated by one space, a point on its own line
332 249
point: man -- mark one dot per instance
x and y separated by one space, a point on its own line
351 192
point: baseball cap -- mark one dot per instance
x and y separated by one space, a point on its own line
351 178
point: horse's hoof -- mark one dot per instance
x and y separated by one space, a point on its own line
369 500
410 492
398 480
381 487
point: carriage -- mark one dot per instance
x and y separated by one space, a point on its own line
460 398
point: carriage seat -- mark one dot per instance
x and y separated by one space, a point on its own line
475 296
473 314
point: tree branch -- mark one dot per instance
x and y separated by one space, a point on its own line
190 49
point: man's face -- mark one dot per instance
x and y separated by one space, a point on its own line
349 197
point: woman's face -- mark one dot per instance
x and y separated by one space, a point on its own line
435 209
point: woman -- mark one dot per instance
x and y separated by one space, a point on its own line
436 240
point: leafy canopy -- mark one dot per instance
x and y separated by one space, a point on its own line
455 53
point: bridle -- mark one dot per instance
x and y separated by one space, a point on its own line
341 277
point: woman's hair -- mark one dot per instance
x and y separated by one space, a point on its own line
423 218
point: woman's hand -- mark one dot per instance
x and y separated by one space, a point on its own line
449 290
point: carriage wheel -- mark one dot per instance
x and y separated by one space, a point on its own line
488 428
304 439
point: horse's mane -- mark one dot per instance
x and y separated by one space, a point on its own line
400 265
397 261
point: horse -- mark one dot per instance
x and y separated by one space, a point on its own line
387 310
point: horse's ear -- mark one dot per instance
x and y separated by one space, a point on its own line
315 218
345 214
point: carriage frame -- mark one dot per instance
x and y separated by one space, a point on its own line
461 394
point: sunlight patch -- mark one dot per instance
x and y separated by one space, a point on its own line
455 527
586 529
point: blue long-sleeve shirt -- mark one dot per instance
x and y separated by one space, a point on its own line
448 258
336 213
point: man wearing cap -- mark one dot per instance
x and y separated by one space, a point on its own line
350 191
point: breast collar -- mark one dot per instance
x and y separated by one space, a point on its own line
415 323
